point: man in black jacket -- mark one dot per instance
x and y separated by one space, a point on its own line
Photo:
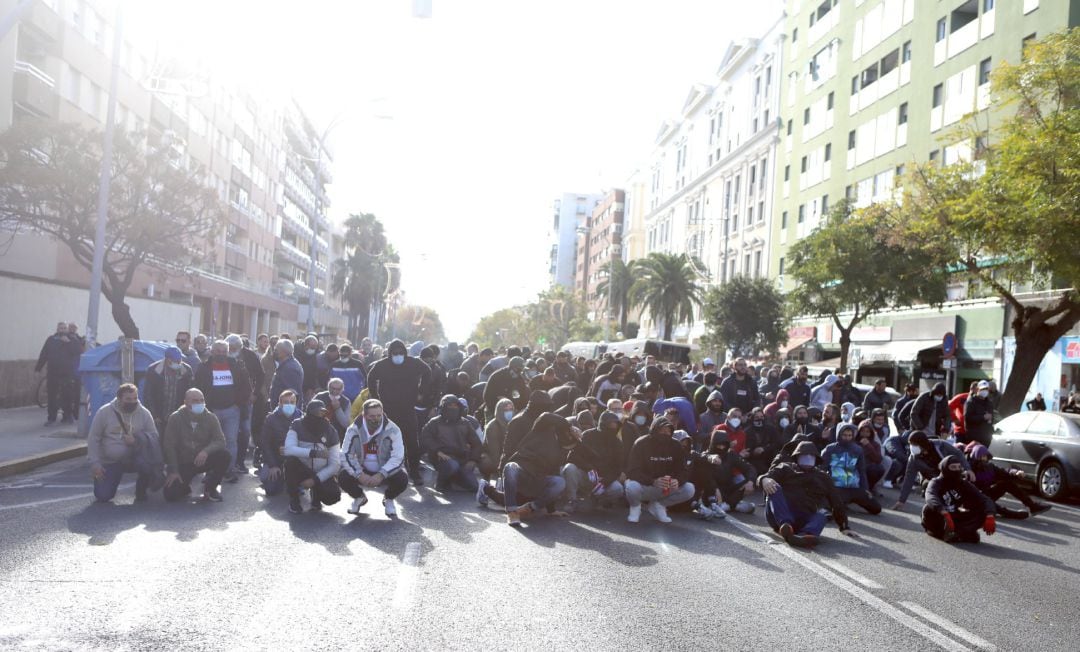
519 426
798 388
740 389
595 466
794 495
534 468
508 382
274 429
979 415
955 509
657 473
452 447
931 413
60 361
399 381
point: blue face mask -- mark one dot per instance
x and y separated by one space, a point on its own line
288 408
397 359
509 414
198 408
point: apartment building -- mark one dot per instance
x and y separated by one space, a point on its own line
599 243
871 87
572 211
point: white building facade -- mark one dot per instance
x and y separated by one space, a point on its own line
572 211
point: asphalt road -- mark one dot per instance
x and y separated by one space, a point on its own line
245 574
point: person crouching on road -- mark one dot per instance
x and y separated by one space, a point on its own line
534 467
194 444
121 436
845 461
312 459
955 509
732 475
272 442
374 456
656 473
452 446
794 495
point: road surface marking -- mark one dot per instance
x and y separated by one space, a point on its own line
24 485
36 503
844 570
871 600
949 626
407 576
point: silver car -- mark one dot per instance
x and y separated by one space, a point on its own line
1045 446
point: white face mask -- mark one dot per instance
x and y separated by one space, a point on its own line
984 393
234 354
916 450
784 423
397 359
806 460
783 404
938 397
175 366
640 420
311 351
735 422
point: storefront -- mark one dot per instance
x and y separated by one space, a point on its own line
1058 375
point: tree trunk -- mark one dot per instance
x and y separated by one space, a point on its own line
845 346
121 314
1034 338
668 327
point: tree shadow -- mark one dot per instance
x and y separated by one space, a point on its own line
988 549
103 522
547 531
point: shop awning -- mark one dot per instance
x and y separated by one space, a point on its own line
891 352
795 343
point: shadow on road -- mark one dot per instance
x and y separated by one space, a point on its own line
548 531
102 522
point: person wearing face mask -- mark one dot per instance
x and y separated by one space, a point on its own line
255 408
307 354
955 510
452 447
288 374
275 428
930 413
519 426
734 426
312 459
167 380
657 473
979 416
123 439
782 402
798 387
911 392
766 441
956 412
194 444
845 460
802 427
494 436
337 405
795 494
593 468
534 468
732 475
995 482
226 386
373 456
924 459
508 382
400 381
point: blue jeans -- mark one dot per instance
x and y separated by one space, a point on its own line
778 512
106 486
545 488
452 472
229 418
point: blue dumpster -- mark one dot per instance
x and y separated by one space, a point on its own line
99 369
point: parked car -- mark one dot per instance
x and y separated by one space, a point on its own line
1045 446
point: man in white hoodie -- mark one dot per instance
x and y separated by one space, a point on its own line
312 459
374 456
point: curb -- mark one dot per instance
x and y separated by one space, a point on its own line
24 464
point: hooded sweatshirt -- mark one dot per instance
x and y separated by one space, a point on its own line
931 415
808 490
951 493
708 420
657 455
686 412
782 401
844 461
520 425
733 469
450 433
541 452
821 395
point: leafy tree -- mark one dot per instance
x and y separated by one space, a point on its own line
615 288
848 270
502 328
745 315
161 217
414 323
363 278
552 318
667 286
1008 220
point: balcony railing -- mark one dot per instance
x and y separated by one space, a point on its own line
33 90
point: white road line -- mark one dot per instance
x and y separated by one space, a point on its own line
407 576
36 503
949 626
866 597
844 570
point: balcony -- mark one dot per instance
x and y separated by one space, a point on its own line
34 91
43 21
294 255
296 225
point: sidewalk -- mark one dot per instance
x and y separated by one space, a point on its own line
25 443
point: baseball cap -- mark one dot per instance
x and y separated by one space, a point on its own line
708 361
173 353
983 384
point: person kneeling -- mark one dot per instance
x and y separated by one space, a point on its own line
374 457
657 473
534 468
955 509
194 444
794 494
312 459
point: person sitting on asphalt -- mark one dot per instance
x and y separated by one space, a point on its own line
520 425
657 473
995 482
732 475
534 468
795 494
374 456
494 435
194 444
595 465
312 459
925 459
452 447
955 509
875 461
122 439
337 405
801 426
508 382
845 462
272 442
704 503
734 427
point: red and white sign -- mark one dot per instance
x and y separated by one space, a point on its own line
1072 350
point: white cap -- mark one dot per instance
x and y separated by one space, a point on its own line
708 361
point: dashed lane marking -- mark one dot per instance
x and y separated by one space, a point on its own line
950 626
406 580
844 570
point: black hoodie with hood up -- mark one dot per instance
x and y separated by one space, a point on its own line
519 426
542 452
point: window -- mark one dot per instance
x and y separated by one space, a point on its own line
802 167
761 211
964 14
980 146
889 62
746 264
988 5
780 268
824 204
905 52
849 193
869 76
1025 43
984 71
794 36
757 263
750 216
830 101
938 96
787 173
806 116
851 139
789 127
934 155
761 179
802 213
783 220
735 221
902 117
940 33
855 84
753 178
828 151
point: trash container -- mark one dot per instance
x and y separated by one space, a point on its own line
99 369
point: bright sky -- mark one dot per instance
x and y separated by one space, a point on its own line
460 130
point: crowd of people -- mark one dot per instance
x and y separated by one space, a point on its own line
545 432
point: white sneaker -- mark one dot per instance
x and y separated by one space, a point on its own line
357 504
717 511
724 507
391 510
481 497
887 484
635 514
659 512
744 507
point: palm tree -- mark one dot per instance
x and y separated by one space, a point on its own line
667 287
362 278
615 288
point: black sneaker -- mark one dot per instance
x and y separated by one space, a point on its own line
140 497
416 476
231 477
1013 514
1039 508
294 505
212 494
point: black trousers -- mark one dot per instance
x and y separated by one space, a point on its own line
407 422
966 522
1010 486
215 466
60 389
393 486
296 471
859 497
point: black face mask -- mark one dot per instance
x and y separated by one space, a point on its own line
952 477
802 420
314 420
451 414
128 408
